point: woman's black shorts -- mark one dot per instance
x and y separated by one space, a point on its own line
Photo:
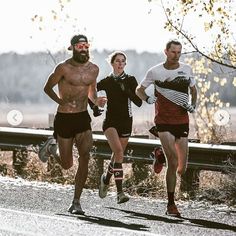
123 126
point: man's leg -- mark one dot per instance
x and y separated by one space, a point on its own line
65 146
84 143
168 145
182 150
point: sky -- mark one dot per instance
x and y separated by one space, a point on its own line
109 24
39 25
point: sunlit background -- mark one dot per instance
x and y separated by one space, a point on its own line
35 35
37 25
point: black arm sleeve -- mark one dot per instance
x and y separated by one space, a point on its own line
96 110
101 85
91 104
130 91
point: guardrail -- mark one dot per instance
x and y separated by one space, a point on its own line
201 156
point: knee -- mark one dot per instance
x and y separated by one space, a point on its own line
84 156
119 157
172 164
67 165
181 170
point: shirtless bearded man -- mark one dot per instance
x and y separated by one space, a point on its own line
76 80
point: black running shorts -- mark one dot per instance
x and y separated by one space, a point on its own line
180 130
67 125
123 126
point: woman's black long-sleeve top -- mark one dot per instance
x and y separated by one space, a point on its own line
120 93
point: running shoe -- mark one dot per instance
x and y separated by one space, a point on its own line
121 198
44 152
159 160
172 211
75 208
103 188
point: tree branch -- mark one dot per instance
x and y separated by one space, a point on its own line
180 31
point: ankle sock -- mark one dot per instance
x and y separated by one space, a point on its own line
108 174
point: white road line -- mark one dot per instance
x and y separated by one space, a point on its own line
38 215
26 223
7 230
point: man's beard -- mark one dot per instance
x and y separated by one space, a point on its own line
81 57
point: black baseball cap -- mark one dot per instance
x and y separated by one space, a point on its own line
77 39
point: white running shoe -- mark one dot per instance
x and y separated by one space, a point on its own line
122 198
103 188
44 152
75 208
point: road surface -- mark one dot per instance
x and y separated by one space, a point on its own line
39 208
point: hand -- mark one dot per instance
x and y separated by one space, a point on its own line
151 99
101 101
97 111
189 108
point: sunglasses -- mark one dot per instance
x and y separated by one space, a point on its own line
82 45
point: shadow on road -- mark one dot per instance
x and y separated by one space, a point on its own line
148 217
211 224
107 222
181 220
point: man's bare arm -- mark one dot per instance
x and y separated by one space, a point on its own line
193 92
140 92
52 81
92 93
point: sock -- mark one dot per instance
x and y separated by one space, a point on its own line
109 173
118 174
171 200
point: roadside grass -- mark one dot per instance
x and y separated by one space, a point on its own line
139 179
217 187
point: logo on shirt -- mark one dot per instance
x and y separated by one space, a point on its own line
181 73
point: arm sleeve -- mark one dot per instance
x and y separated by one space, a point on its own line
101 85
131 92
91 104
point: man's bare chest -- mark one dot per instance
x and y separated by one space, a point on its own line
78 77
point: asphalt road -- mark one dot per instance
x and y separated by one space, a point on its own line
37 208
